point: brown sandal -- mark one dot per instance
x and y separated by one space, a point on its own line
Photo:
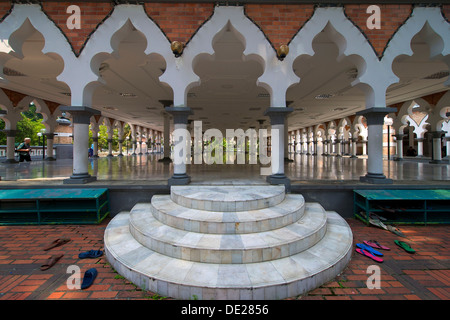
56 243
51 262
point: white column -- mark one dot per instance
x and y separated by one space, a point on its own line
375 122
182 142
437 146
277 121
447 147
95 143
354 147
120 147
399 137
420 147
110 148
339 147
50 156
81 120
10 146
166 157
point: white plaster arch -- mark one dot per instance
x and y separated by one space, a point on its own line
341 127
356 126
419 128
49 119
331 128
439 114
438 35
350 42
319 131
401 119
120 125
12 115
257 47
105 40
55 41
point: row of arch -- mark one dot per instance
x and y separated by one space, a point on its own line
15 103
354 129
81 74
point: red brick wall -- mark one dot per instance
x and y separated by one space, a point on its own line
280 22
91 15
446 10
4 8
392 17
179 21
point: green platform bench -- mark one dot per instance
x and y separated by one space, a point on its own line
53 206
403 206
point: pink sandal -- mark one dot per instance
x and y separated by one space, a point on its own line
369 255
375 244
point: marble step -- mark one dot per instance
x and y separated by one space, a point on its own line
288 211
227 198
228 248
182 279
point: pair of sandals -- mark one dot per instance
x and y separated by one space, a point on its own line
367 248
55 258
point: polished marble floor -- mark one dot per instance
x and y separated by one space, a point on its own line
147 169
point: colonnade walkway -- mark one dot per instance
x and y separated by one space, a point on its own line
422 276
304 169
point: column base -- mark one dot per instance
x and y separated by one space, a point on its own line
110 156
179 180
50 159
280 178
397 159
288 160
10 161
165 160
80 179
375 178
353 157
438 161
120 155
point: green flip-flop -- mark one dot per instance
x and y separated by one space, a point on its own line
404 246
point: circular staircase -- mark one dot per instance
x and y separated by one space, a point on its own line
228 242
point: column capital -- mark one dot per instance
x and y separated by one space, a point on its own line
399 136
10 133
277 115
180 114
375 116
49 135
436 134
81 115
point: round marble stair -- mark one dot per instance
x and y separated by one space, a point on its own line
281 248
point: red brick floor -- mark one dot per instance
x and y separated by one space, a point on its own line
424 275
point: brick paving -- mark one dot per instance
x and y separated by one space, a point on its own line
424 275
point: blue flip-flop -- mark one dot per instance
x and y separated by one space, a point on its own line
90 254
368 248
89 277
